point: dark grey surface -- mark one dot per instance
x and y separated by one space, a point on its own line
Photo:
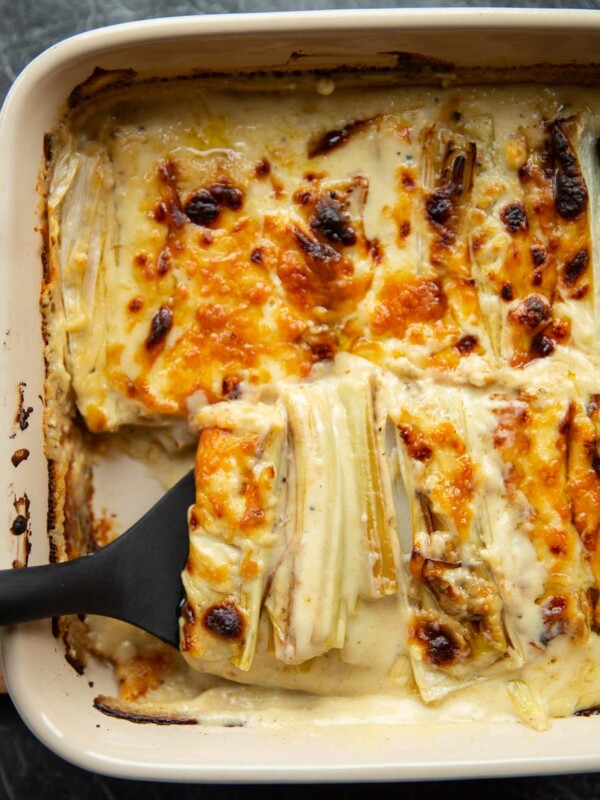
27 769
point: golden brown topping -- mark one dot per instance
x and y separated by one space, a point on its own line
164 260
323 344
141 674
187 612
583 470
314 274
417 444
401 303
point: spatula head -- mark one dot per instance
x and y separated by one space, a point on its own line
142 568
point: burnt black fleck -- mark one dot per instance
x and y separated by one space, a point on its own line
224 620
439 206
575 268
542 345
331 221
514 217
570 188
162 322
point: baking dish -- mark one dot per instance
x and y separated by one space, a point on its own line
56 701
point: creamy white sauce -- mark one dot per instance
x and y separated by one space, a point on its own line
237 130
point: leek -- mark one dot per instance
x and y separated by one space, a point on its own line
235 532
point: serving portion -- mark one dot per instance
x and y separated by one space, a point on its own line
372 316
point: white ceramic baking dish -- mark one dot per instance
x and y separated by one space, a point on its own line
53 699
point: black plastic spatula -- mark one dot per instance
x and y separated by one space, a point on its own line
136 578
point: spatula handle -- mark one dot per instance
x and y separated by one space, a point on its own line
72 587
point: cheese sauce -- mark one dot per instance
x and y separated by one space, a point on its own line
394 294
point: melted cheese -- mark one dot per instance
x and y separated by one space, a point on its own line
439 247
198 244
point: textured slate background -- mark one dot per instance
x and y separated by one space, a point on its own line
27 769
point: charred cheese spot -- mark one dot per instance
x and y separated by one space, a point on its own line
224 620
467 344
303 197
542 345
203 207
136 304
331 140
571 191
538 254
506 293
576 267
187 612
514 217
162 322
439 206
263 168
331 221
230 386
441 647
160 211
375 250
319 252
532 312
169 208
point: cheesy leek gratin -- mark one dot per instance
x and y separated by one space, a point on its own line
372 316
